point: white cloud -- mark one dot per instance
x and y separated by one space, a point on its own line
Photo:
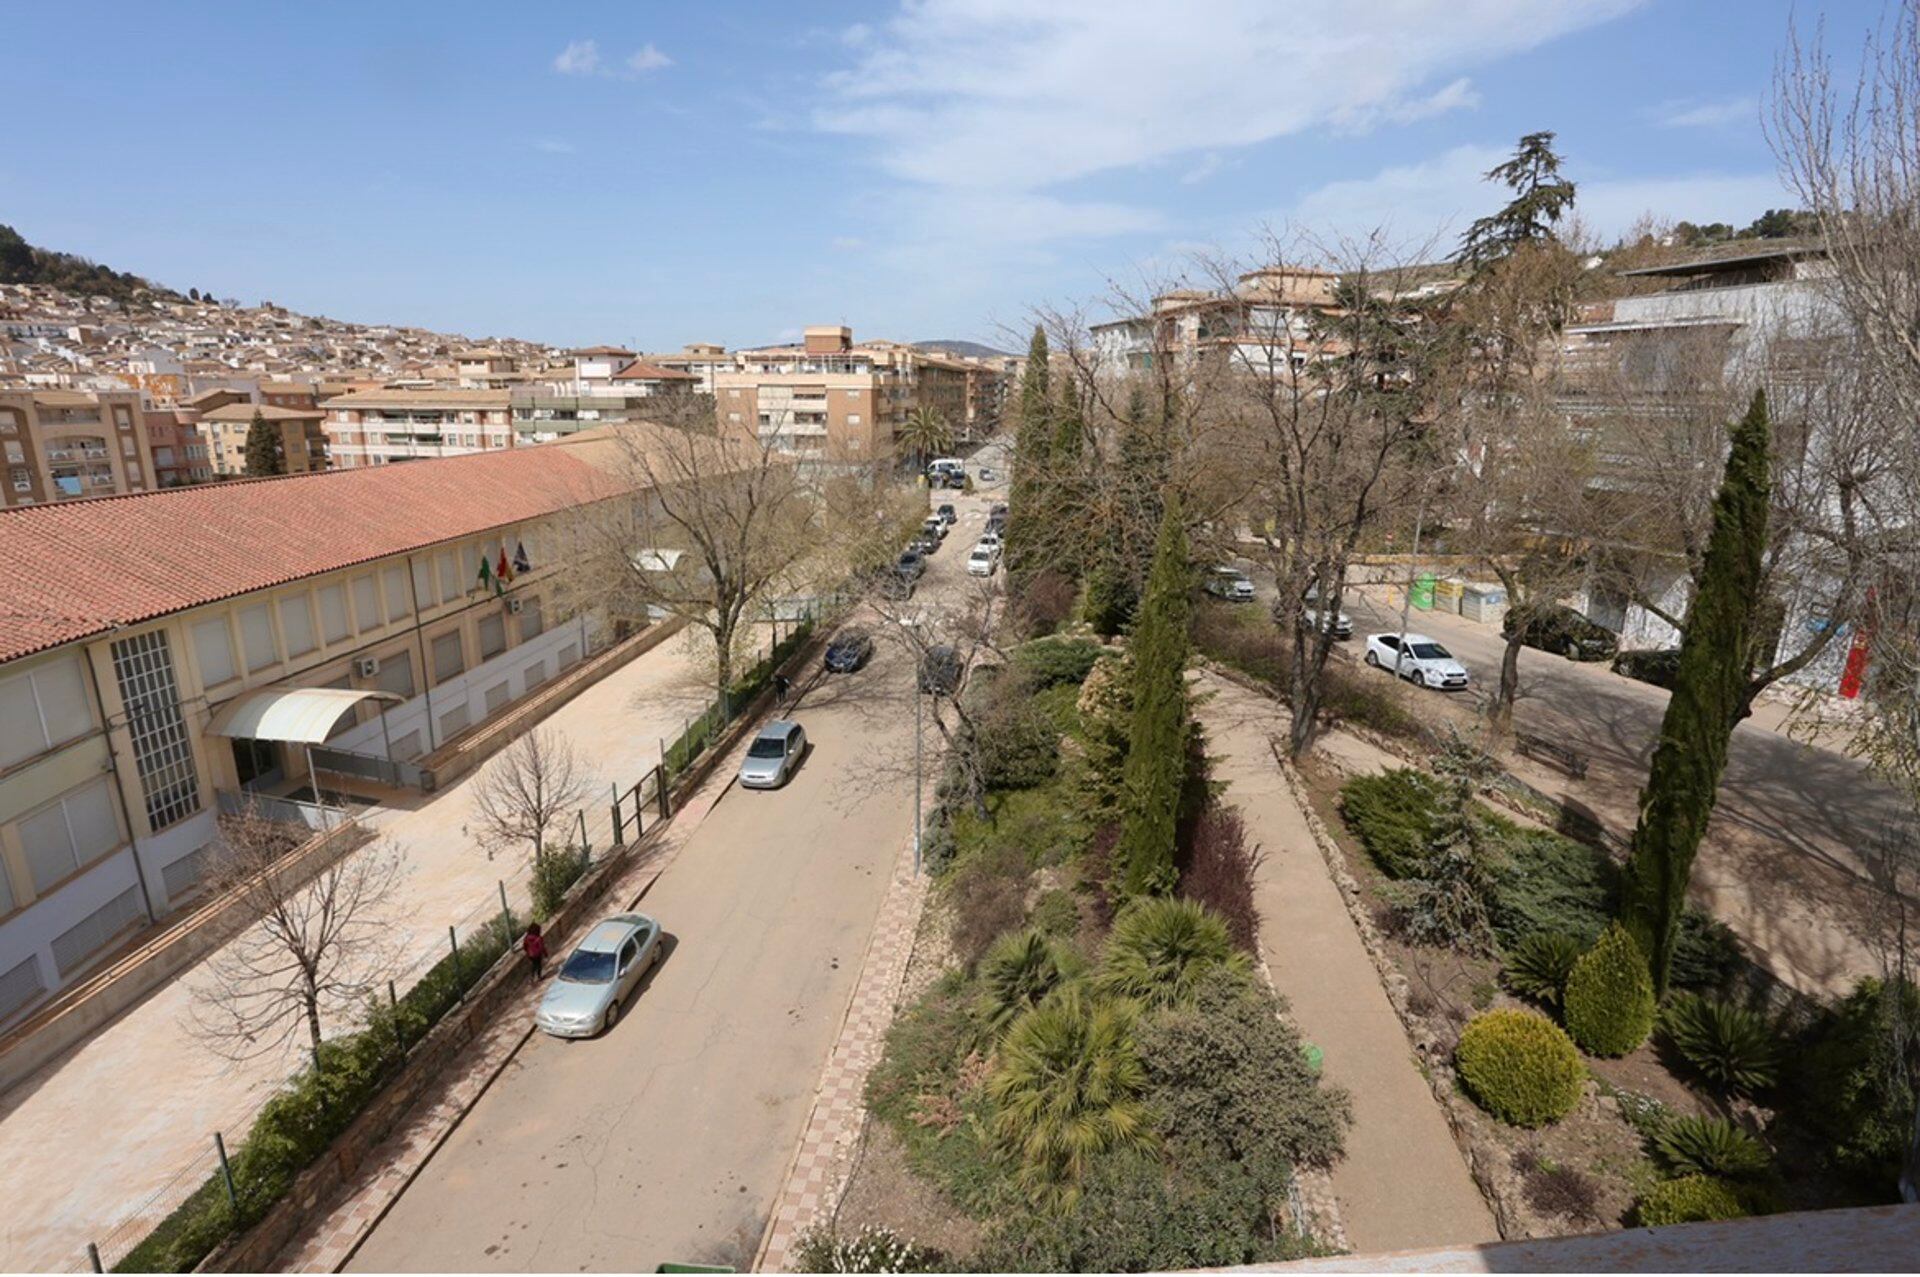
554 146
1209 165
857 35
1004 92
580 57
1440 196
1695 114
647 58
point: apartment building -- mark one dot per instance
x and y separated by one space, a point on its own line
829 399
703 361
378 427
1266 324
63 445
180 453
303 436
163 659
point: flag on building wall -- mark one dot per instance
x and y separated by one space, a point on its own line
485 576
520 563
504 573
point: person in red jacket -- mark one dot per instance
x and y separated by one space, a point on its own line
535 947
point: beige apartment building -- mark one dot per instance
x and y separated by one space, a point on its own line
378 427
832 400
66 445
303 436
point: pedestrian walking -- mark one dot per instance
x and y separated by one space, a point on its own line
534 945
781 686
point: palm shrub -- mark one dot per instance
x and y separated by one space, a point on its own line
1066 1093
1539 965
1017 974
1609 997
1162 948
1520 1067
1393 814
1730 1046
1689 1199
1709 1146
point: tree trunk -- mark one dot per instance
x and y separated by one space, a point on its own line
1500 713
310 997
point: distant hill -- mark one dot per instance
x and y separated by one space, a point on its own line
22 263
966 349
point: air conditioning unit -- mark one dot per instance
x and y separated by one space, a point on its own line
513 606
369 666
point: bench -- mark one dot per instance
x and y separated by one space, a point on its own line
1565 757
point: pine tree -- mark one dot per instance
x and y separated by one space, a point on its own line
265 454
1156 768
1031 448
1709 694
1540 198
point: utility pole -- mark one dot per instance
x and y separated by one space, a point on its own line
1413 567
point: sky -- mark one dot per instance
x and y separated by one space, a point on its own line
658 174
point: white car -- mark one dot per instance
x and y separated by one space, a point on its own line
1231 584
989 539
1417 657
983 559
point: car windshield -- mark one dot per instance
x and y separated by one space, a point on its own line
767 747
1431 652
587 968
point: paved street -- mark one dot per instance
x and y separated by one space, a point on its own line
1786 864
667 1139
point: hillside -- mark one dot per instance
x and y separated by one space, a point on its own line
22 263
965 349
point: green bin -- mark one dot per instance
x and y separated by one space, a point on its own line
1423 591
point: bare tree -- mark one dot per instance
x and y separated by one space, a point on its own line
318 948
527 792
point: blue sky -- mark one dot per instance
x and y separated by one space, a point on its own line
716 171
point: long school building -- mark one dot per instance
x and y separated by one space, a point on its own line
156 647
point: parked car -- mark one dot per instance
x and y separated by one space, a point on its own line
911 564
1231 584
1658 666
947 514
1324 617
1553 627
940 670
935 527
849 650
996 523
983 559
990 537
989 475
895 585
773 756
924 544
1418 658
599 977
998 510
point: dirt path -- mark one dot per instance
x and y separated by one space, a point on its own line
1403 1183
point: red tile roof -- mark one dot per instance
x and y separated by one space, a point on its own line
639 370
82 568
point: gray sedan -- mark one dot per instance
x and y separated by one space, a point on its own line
773 756
599 977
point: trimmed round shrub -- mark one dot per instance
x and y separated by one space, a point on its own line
1609 998
1730 1046
1520 1067
1539 965
1689 1199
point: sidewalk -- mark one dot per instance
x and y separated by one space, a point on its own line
138 1103
1403 1182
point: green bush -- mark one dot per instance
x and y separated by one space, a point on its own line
989 895
1067 1093
1050 662
1851 1089
1705 954
871 1250
1687 1200
1018 973
1546 882
1520 1067
1393 814
1735 1049
1056 913
1227 1075
1609 998
1162 948
1709 1146
1016 742
1539 965
553 874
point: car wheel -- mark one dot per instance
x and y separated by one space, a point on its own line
1419 679
612 1017
1373 658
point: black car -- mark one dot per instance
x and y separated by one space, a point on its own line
998 510
947 514
923 545
996 523
940 670
911 564
1561 630
1658 666
849 651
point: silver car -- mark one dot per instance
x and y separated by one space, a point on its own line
599 977
774 754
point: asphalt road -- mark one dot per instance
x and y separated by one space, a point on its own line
667 1138
1791 851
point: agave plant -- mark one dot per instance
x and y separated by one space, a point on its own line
1709 1146
1539 965
1017 973
1161 948
1067 1092
1730 1046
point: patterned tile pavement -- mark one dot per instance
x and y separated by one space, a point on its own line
819 1171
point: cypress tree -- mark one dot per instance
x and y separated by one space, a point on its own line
1156 766
1031 448
1067 490
1709 693
264 452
